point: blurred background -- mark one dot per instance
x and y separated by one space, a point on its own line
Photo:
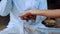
52 4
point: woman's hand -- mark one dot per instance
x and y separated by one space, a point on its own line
29 15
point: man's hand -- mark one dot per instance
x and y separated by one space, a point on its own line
29 15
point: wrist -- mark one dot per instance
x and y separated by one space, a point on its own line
40 12
35 12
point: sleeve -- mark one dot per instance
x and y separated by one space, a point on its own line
5 7
43 5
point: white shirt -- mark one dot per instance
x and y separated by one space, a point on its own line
16 8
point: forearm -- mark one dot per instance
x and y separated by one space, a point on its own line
49 13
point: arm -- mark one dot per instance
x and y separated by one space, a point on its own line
49 13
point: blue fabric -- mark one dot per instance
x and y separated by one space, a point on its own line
5 7
16 8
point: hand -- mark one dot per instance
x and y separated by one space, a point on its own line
29 15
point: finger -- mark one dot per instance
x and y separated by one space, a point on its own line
26 18
21 17
33 17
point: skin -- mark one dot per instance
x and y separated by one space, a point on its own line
34 12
